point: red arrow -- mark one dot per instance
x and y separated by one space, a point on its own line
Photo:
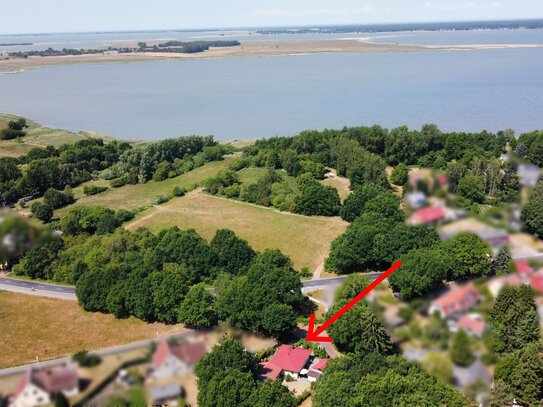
313 335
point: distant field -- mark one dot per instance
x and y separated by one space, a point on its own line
39 136
305 239
49 328
134 196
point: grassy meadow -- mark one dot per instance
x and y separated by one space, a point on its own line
305 239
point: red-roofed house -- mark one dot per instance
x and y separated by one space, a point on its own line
287 360
36 387
430 214
457 300
316 370
537 282
473 324
523 268
171 360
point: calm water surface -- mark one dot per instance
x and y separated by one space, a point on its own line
265 96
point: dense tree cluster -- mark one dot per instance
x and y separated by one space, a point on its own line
530 146
424 270
267 298
375 380
516 337
227 376
166 158
68 165
358 330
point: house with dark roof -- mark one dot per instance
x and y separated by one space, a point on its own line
171 360
457 301
287 361
37 386
166 394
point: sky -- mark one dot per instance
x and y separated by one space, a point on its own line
42 16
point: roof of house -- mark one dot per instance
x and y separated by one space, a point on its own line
523 268
537 282
320 365
473 323
290 358
188 353
269 371
428 214
314 373
458 299
168 391
51 380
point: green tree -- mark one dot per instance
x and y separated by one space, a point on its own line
355 202
233 254
197 309
532 216
359 331
470 255
42 211
228 388
471 187
169 288
527 377
318 200
422 271
272 394
460 351
502 263
399 174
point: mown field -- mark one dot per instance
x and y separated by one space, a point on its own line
50 328
305 239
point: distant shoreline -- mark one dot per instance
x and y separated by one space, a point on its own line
249 49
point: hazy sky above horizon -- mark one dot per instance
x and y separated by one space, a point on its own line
39 16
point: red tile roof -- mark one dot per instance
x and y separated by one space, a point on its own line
51 381
523 268
188 353
472 323
269 371
320 365
290 359
56 380
537 282
458 299
428 214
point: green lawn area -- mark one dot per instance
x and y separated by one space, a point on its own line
305 239
134 196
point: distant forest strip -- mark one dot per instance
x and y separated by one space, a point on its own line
372 28
178 47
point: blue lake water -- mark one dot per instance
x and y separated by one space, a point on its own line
254 97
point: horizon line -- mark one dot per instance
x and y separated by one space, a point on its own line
257 27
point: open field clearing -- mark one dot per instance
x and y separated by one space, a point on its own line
305 239
49 328
134 196
342 184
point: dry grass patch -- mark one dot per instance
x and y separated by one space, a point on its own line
305 239
33 326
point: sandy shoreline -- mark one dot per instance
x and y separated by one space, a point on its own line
249 48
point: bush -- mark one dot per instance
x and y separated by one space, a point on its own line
42 211
93 189
178 191
160 199
117 183
86 359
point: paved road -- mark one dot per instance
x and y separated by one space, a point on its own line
68 293
35 288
